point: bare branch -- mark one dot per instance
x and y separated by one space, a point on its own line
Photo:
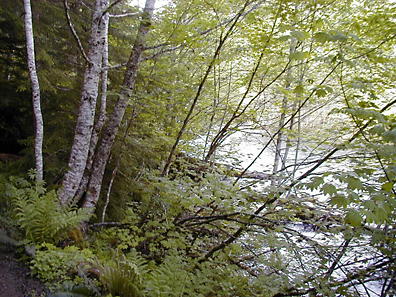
327 157
287 122
349 279
244 267
80 46
117 66
226 22
124 14
197 218
163 51
109 224
200 88
111 6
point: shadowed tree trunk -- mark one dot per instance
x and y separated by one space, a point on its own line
110 132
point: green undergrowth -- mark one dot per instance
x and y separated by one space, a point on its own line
118 261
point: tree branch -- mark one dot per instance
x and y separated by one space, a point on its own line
350 278
200 88
287 122
124 14
80 46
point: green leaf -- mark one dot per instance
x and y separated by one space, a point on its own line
284 38
353 218
318 24
315 183
299 89
322 37
350 63
338 36
378 130
358 85
321 93
371 217
339 200
299 56
369 204
299 35
390 135
235 247
353 183
387 186
382 214
354 197
285 27
329 189
357 38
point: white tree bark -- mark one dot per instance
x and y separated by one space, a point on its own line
103 152
86 117
38 118
102 116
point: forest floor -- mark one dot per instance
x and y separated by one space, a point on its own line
16 279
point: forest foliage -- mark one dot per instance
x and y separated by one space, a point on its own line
202 148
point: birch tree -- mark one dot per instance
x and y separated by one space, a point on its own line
86 115
38 118
103 152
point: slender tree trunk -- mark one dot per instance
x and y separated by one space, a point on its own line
115 170
200 88
297 150
103 152
216 99
239 111
38 118
279 142
85 121
288 142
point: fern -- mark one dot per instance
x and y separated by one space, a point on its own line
124 276
175 278
39 213
7 240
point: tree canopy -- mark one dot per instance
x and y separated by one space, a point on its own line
203 148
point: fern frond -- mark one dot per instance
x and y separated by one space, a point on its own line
5 239
124 276
39 213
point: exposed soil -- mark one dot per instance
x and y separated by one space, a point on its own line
16 279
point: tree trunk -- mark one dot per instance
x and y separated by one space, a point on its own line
102 116
114 122
200 88
38 118
279 141
85 121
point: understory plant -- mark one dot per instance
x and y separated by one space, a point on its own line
123 275
39 213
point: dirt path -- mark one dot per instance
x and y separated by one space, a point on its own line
16 280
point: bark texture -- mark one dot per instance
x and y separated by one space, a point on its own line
85 121
102 115
110 132
38 118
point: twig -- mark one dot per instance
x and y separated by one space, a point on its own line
80 46
124 14
110 7
108 224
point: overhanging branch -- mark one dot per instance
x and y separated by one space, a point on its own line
69 22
